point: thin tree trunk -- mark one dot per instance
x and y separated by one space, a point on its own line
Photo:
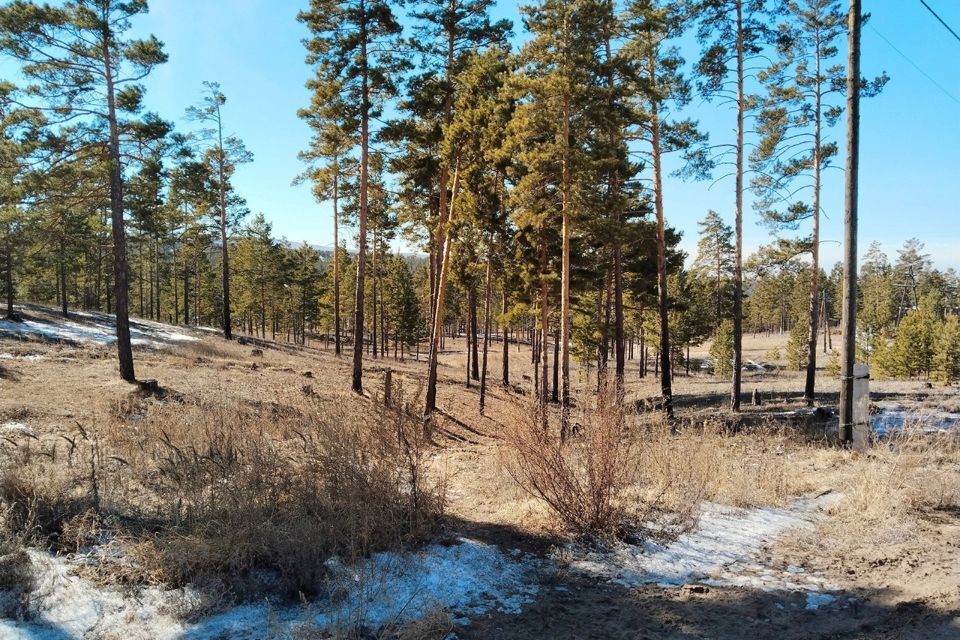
357 382
337 349
814 324
544 324
437 328
488 285
475 362
121 287
662 300
564 333
505 373
8 279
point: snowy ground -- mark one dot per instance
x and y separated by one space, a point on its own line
722 551
467 579
892 417
95 328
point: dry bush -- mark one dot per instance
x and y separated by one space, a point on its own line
17 578
223 494
580 480
624 472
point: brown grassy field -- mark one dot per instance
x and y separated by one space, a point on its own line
264 459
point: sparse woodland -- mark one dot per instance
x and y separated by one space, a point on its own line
505 301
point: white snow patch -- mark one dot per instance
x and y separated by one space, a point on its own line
65 607
817 600
721 552
12 425
100 330
893 418
468 578
30 357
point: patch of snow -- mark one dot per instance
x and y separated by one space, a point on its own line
65 606
893 418
816 600
468 578
30 357
13 425
720 552
100 330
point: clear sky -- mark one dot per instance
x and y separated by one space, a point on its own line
910 134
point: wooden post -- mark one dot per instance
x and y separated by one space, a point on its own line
388 387
849 323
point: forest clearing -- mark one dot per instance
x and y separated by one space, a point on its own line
476 319
759 532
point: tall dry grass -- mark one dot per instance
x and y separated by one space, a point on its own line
225 494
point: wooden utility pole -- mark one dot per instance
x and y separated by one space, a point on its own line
849 322
738 250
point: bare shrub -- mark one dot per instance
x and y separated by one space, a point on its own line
580 480
630 474
217 491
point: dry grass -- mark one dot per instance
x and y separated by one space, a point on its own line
899 482
222 493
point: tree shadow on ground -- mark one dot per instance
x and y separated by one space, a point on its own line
571 606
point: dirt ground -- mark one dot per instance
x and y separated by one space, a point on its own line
899 582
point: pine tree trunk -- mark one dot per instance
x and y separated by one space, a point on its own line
662 299
486 326
357 382
564 332
8 279
373 277
475 364
851 186
337 348
544 324
437 326
505 373
121 287
814 323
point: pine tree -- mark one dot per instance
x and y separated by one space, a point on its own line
223 153
946 359
715 261
351 48
660 85
802 86
721 349
78 65
732 32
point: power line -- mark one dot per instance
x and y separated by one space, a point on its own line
916 66
940 19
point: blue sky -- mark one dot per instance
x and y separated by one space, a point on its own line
910 134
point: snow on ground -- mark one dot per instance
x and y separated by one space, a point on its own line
467 578
13 425
892 417
722 551
99 329
29 356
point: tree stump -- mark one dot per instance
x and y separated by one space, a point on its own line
388 386
756 398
